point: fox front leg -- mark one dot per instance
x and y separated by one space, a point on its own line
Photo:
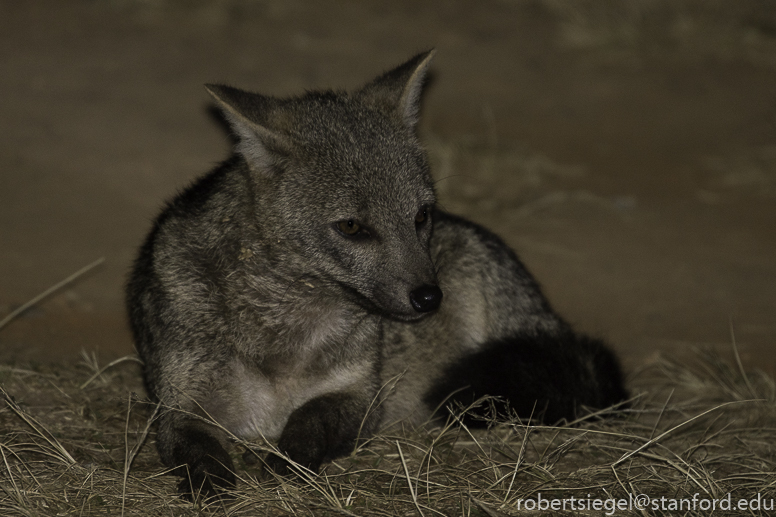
324 428
196 454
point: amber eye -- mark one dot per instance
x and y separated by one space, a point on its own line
420 217
349 227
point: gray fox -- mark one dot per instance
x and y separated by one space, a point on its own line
309 291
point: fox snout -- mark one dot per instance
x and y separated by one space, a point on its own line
426 298
408 299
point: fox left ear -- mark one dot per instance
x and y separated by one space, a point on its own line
399 89
262 145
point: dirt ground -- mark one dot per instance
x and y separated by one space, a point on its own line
627 150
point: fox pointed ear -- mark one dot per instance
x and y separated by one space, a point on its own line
399 89
248 115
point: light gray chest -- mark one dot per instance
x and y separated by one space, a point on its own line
259 406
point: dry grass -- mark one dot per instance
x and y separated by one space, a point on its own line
72 447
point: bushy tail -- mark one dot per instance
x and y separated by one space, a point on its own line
544 376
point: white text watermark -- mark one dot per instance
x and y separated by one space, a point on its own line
612 505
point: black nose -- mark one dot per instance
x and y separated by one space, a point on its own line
426 298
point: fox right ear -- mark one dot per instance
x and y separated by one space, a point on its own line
399 89
248 114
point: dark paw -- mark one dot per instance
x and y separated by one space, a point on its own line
278 465
282 467
209 479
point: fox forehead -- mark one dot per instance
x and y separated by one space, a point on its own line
363 191
356 137
353 160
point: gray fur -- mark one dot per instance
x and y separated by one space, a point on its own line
250 305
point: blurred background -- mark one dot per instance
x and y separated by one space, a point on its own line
626 150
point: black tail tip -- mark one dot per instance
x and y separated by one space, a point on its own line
543 377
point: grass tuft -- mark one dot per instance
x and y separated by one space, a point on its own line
73 446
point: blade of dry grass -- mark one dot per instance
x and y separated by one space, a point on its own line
671 430
108 366
738 361
413 490
54 288
57 451
130 455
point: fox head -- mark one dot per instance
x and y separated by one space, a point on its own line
341 180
